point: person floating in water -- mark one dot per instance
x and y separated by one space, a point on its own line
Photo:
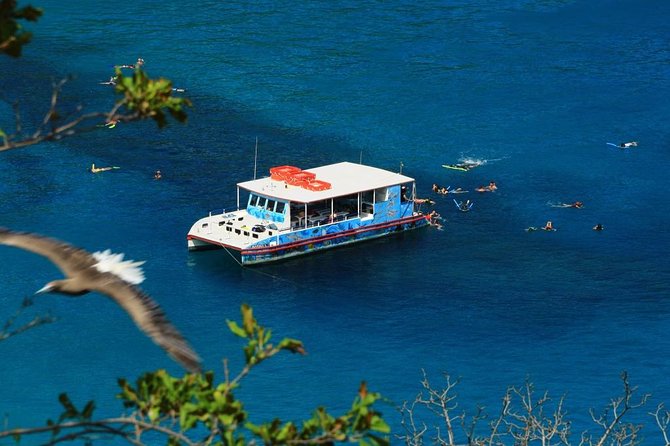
94 169
435 219
624 145
548 226
598 227
490 188
110 123
158 175
138 64
424 200
464 206
576 205
111 81
463 165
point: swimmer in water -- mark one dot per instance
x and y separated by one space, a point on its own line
94 169
549 226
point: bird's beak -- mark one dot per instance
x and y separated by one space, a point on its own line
45 289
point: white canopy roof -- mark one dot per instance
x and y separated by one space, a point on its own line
345 179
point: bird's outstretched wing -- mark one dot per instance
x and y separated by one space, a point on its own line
79 265
150 318
69 259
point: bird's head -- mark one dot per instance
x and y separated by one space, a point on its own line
65 286
48 288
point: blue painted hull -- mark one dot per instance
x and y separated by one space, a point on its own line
265 254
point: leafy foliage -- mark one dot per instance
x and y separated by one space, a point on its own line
12 35
141 97
197 410
149 98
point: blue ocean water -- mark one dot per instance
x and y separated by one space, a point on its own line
535 88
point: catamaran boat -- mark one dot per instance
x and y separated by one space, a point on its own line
294 212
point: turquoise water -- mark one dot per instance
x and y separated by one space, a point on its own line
535 88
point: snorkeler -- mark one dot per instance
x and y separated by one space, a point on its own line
576 205
111 81
464 206
548 226
94 169
623 145
137 64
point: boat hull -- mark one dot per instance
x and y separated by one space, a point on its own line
267 254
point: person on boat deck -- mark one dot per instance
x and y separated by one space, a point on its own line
403 194
549 226
598 227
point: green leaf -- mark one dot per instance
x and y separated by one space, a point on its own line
70 410
88 410
153 414
292 345
379 425
236 329
248 321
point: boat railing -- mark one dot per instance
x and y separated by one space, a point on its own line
322 220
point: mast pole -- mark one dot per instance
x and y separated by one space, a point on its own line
255 157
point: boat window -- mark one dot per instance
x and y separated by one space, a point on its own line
280 207
253 200
381 194
271 205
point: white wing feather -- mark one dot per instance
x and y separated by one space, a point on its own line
126 270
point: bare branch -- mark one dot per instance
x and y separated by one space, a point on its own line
662 417
7 331
100 426
614 428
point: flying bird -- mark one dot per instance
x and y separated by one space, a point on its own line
107 273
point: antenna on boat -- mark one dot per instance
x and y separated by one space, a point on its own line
360 158
401 164
255 157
